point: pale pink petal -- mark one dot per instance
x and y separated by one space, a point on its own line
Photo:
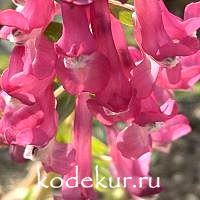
173 129
14 19
133 142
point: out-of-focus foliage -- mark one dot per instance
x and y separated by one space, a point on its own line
3 62
65 105
54 27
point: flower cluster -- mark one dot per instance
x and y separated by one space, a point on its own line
112 82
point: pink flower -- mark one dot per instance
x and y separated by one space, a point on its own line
27 23
31 67
72 43
131 79
80 67
166 36
86 73
192 11
131 168
117 100
190 73
121 45
171 130
30 118
82 136
144 76
133 142
118 87
23 124
111 81
57 157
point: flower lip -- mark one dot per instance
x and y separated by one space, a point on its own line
74 62
170 62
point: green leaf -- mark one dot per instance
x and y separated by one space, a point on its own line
98 147
64 134
65 105
197 89
122 14
54 31
3 62
125 17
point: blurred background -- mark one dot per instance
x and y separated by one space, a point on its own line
179 170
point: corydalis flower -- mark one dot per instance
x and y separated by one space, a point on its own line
27 23
72 43
79 63
133 142
86 73
55 156
31 66
171 130
113 102
32 119
190 73
166 36
82 134
131 168
23 124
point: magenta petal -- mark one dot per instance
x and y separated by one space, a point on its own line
174 74
121 44
108 117
57 157
165 35
168 107
82 136
38 12
157 107
6 31
144 76
173 129
30 68
135 53
25 98
190 73
192 10
16 60
14 19
45 59
72 43
26 115
90 74
150 34
131 168
79 2
33 136
133 142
